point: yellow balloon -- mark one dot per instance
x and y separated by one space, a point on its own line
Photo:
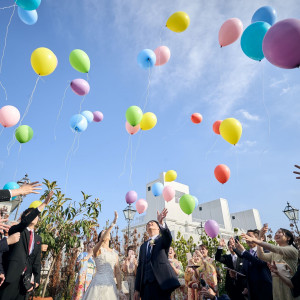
178 22
171 175
35 204
149 120
231 130
43 61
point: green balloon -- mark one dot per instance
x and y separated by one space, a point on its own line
134 115
80 61
187 204
24 134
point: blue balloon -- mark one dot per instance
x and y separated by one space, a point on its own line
157 188
196 201
146 59
28 4
252 39
11 186
265 14
78 123
88 115
28 17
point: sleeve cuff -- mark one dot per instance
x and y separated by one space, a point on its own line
38 208
220 247
10 194
243 252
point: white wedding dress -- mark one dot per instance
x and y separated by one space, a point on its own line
103 285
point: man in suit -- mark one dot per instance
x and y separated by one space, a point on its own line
25 189
155 278
259 280
234 283
23 258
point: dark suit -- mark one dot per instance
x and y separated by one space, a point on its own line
17 259
259 280
234 287
4 195
155 278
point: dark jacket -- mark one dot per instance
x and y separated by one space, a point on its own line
18 258
3 248
233 286
4 195
163 272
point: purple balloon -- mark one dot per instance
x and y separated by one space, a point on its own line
98 116
211 227
281 44
131 197
80 87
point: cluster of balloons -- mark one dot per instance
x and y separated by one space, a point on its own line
27 10
79 122
141 205
11 186
136 120
211 228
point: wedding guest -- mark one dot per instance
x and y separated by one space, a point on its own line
85 265
191 276
129 268
178 294
285 253
204 252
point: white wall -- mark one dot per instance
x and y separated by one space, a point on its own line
248 219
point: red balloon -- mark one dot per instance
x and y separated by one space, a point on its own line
196 118
222 173
216 126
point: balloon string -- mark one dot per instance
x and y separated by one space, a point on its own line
3 52
4 90
138 145
18 160
60 109
10 144
125 159
212 148
30 100
131 163
1 130
81 103
87 77
263 98
77 147
148 89
69 155
2 8
237 165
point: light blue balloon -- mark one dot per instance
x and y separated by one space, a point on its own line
88 115
252 39
146 59
28 4
11 186
196 201
78 123
28 17
265 14
157 188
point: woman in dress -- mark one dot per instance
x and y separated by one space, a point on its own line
129 267
103 285
285 256
179 293
85 266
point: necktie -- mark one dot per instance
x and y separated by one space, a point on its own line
30 241
149 250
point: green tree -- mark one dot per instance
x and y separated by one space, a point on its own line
65 223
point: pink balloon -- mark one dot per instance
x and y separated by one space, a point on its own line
80 87
168 193
141 206
98 116
211 227
163 55
132 129
230 31
9 116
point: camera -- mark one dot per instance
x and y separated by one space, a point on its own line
237 239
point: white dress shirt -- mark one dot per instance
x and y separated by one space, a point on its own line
32 245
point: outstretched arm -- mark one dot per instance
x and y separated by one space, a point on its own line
164 230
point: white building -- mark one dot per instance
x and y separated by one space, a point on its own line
177 220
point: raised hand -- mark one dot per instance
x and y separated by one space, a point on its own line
25 189
161 216
4 226
247 238
263 231
2 278
298 173
14 238
222 243
239 246
48 198
116 218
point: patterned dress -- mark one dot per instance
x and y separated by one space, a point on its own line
179 293
86 270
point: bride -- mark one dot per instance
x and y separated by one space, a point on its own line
103 285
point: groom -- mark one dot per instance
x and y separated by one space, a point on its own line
155 278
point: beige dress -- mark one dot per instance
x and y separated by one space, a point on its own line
281 255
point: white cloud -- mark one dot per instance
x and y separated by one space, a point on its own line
249 116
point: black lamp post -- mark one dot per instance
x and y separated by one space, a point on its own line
292 214
129 213
199 229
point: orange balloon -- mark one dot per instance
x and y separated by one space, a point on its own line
216 126
196 118
222 173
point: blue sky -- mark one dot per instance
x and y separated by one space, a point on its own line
200 77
